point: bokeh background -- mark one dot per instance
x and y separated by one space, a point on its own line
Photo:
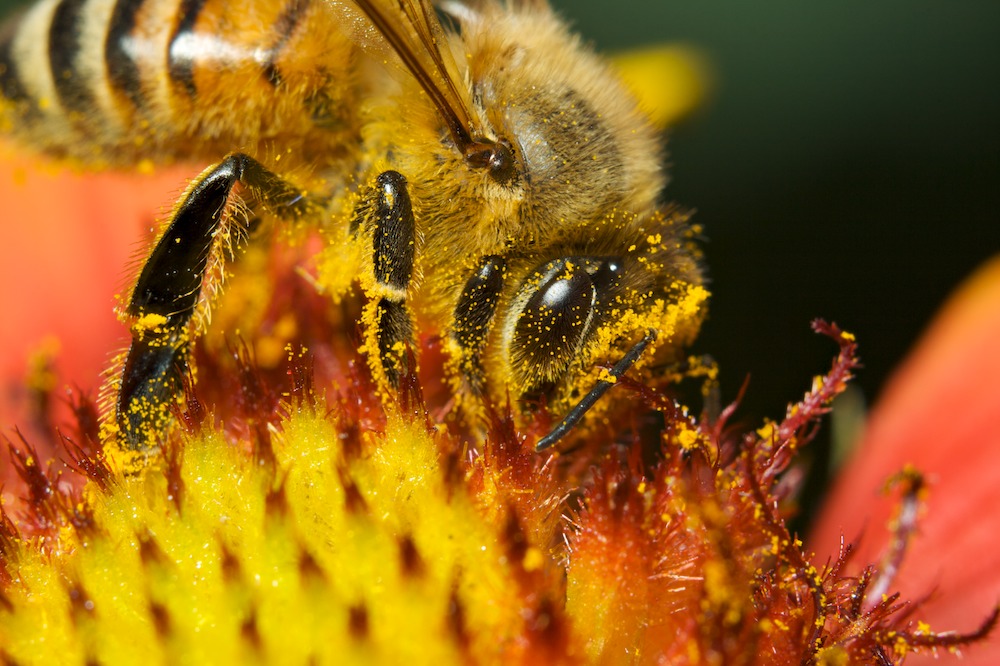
847 166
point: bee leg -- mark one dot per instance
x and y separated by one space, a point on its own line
395 332
166 306
394 239
474 316
595 393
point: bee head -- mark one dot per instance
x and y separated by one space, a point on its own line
576 311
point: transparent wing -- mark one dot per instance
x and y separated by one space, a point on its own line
412 30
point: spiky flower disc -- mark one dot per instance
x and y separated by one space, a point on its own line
340 532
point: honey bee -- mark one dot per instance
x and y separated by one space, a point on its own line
496 181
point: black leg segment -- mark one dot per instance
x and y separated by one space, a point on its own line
395 333
164 304
170 282
395 233
150 381
387 213
474 313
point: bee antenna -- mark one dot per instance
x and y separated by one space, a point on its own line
420 35
600 388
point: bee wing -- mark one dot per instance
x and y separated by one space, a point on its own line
411 29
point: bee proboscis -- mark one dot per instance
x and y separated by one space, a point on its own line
500 181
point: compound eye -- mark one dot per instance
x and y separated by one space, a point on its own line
554 322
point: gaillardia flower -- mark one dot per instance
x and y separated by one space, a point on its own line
297 517
297 514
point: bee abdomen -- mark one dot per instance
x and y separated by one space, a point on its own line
53 75
118 80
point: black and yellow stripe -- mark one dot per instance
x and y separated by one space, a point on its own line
180 60
11 86
175 77
65 48
122 68
284 28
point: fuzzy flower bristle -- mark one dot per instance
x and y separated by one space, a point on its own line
340 530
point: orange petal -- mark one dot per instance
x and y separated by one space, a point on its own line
940 413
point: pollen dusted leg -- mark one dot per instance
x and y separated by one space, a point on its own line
474 317
166 304
394 239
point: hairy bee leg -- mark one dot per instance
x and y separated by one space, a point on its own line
595 393
164 301
473 318
394 239
395 331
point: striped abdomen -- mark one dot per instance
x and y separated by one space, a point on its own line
114 81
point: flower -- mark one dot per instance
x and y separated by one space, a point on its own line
296 516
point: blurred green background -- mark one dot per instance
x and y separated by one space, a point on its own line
846 167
